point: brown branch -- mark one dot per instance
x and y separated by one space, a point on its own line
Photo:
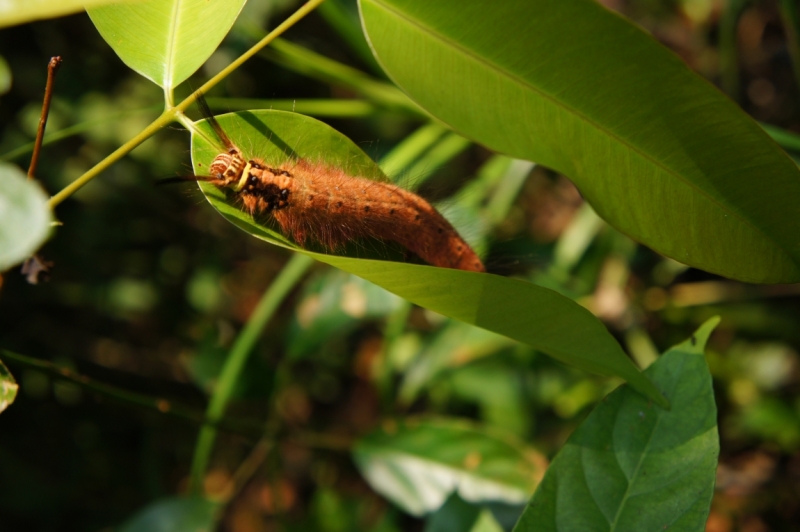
52 68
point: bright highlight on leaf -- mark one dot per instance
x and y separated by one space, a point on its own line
8 387
520 310
417 464
24 217
659 153
631 466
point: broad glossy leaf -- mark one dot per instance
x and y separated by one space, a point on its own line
659 153
520 310
21 11
166 41
174 514
8 387
631 466
417 464
24 216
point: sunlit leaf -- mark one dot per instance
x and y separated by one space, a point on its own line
659 153
8 387
24 217
632 466
166 41
20 11
517 309
417 464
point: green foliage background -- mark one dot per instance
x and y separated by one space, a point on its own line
151 287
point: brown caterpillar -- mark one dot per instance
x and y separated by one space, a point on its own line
316 202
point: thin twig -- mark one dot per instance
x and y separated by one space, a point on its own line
52 68
159 404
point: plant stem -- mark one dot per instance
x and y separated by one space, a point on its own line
174 113
791 27
307 8
52 68
237 357
158 404
728 50
166 118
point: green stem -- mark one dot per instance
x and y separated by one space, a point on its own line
235 362
158 404
728 50
67 132
176 113
395 325
307 8
162 121
791 26
312 107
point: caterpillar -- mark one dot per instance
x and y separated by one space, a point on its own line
316 202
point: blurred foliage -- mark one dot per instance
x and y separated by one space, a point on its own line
150 287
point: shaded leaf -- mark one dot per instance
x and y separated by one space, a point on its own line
517 309
24 217
417 464
166 41
174 515
632 466
659 153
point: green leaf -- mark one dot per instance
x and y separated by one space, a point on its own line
20 11
455 345
166 41
8 387
5 76
517 309
24 217
456 515
331 308
658 152
175 514
417 464
633 467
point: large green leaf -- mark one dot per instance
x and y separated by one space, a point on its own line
417 464
520 310
8 387
24 217
633 467
20 11
166 41
659 153
174 514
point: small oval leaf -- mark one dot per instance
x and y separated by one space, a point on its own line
631 466
24 217
166 41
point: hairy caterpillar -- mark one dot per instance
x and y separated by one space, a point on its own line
320 203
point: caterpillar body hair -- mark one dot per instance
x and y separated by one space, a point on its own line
316 202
